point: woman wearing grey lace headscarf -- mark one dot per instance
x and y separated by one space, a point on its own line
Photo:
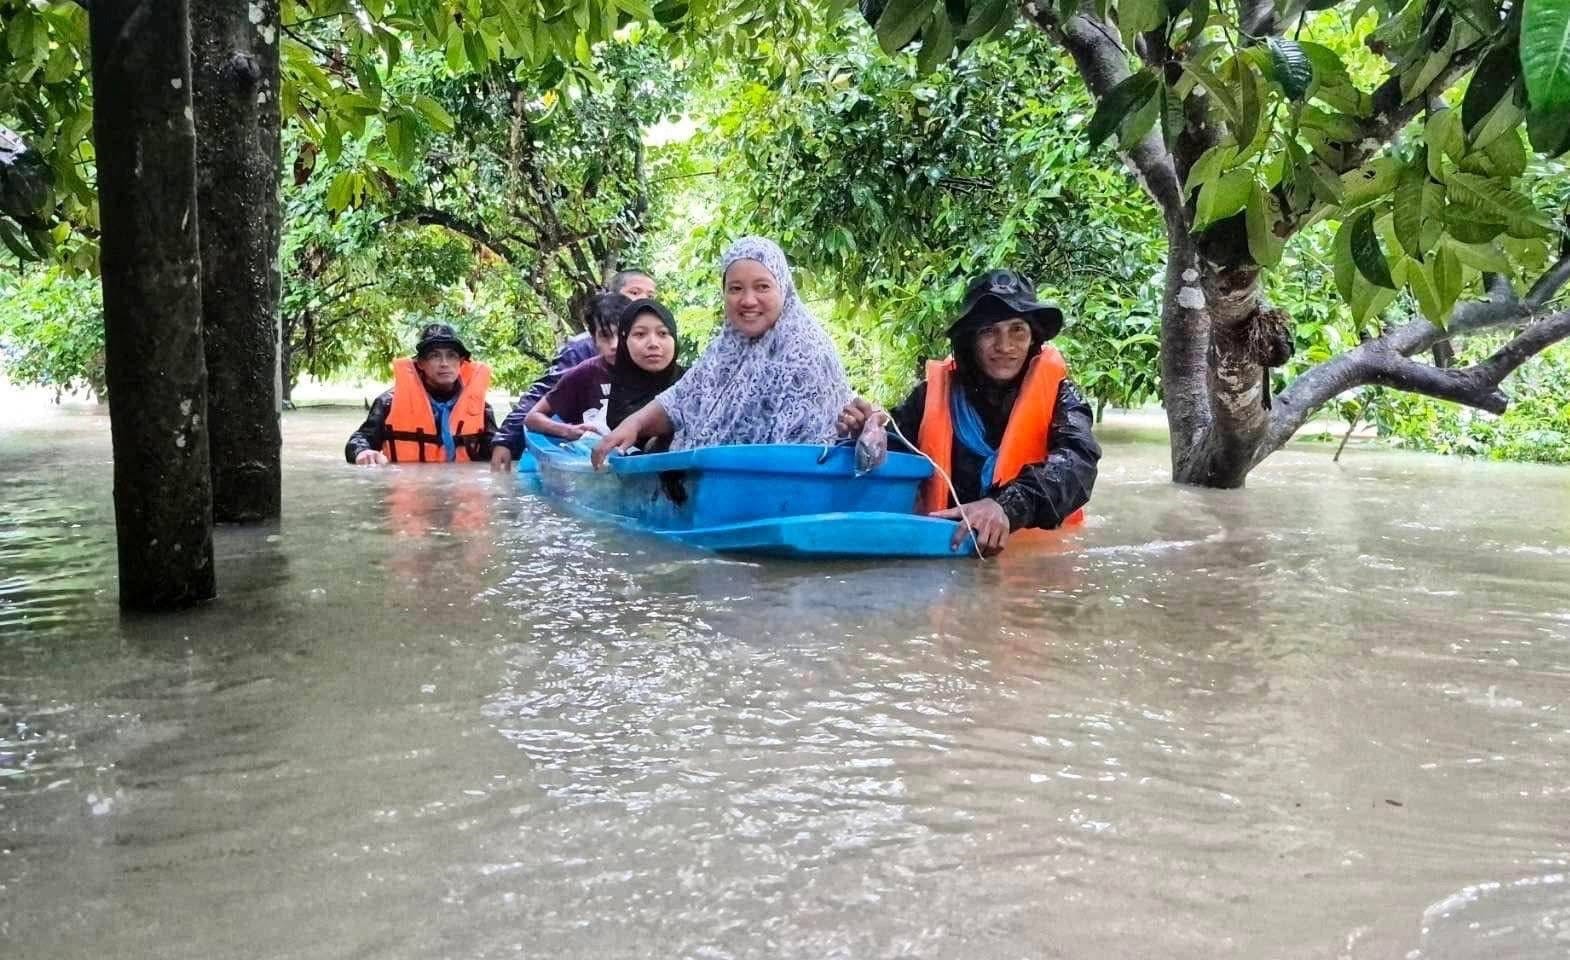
771 376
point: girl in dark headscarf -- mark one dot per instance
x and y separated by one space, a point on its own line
645 364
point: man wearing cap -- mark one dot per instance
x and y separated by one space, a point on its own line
435 412
1000 417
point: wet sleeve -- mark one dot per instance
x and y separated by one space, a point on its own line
510 435
373 432
1044 494
907 416
483 444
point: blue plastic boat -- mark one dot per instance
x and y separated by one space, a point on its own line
778 499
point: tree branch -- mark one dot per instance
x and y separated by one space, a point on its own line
1391 112
1549 283
430 216
1103 64
1384 361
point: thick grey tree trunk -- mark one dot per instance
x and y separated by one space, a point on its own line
151 272
234 62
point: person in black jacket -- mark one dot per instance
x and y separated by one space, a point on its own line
999 341
446 394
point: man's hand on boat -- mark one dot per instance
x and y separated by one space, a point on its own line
370 458
987 519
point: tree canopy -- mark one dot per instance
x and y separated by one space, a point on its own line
1189 178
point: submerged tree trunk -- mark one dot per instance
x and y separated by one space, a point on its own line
234 60
155 368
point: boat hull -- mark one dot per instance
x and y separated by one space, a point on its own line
774 500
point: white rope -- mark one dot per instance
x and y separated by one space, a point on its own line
888 421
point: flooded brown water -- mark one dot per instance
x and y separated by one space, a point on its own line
1328 716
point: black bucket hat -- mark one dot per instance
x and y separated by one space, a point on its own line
999 295
439 335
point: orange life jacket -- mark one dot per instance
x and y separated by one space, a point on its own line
1025 439
411 424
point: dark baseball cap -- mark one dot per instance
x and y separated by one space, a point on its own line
999 295
439 335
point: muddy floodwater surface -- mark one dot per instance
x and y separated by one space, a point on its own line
432 716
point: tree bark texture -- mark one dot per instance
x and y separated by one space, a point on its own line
151 274
234 64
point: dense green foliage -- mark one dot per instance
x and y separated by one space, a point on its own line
52 331
890 189
487 163
1299 136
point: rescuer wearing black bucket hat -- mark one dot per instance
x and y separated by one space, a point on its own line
435 412
999 417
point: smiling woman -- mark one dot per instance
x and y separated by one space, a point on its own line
771 376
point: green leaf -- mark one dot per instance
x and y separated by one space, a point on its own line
1495 202
1173 118
899 23
1410 210
1214 88
1328 68
62 63
1448 276
1506 116
1248 104
73 130
1421 284
1417 78
937 42
984 18
1549 131
1443 135
1209 165
1369 182
1139 16
1493 78
1137 124
1366 252
1199 16
637 9
1290 67
341 190
1545 53
1326 185
1262 214
1505 156
1362 297
1120 102
1479 256
1467 227
435 114
13 242
670 12
1222 197
457 57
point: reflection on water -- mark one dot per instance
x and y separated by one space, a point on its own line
429 716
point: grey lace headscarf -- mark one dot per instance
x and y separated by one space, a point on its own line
786 386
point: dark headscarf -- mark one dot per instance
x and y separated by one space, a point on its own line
632 386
